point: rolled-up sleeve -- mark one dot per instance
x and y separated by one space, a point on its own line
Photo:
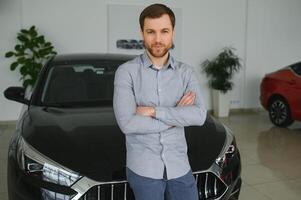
124 105
194 115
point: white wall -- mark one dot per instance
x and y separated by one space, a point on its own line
273 41
264 32
10 24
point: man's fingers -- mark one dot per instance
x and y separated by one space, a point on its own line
183 100
185 97
190 101
187 100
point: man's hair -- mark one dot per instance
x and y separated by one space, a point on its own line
156 11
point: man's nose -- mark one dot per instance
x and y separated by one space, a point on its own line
158 37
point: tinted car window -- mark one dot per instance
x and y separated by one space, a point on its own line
79 85
297 68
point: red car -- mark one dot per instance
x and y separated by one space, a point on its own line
281 95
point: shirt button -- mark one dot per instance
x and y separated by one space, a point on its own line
160 90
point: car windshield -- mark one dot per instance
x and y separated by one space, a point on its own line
79 85
296 68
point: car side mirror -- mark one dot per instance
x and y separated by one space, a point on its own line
16 94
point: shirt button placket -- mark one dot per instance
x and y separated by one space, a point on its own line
158 86
162 144
159 90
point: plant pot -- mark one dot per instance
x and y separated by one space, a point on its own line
221 103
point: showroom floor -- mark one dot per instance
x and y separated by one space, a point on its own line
271 161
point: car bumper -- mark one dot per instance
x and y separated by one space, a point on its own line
24 187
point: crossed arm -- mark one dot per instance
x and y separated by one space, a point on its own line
187 100
146 120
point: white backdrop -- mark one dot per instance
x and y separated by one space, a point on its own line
265 34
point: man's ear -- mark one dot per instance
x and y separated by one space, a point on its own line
173 33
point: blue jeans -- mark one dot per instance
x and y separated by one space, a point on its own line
144 188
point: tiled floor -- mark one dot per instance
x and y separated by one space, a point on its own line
5 134
271 161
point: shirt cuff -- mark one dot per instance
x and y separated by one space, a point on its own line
160 113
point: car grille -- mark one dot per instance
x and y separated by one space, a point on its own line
113 191
209 186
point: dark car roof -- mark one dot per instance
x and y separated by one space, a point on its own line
91 57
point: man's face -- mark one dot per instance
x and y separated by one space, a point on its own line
158 35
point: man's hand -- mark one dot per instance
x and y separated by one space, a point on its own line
146 111
188 99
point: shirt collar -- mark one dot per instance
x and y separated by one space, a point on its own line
148 63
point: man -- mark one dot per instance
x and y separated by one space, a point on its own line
155 97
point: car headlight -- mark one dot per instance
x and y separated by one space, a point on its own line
228 150
36 164
227 172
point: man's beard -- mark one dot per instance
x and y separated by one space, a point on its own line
158 53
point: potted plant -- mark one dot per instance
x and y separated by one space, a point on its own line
220 71
31 53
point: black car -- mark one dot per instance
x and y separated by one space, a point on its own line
67 144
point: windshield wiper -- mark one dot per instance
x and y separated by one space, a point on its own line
58 105
80 104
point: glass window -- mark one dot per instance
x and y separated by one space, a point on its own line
296 68
79 85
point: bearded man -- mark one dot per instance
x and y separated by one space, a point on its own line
155 97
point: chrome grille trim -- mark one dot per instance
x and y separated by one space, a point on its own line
215 187
237 190
125 188
206 186
83 191
84 184
207 189
112 191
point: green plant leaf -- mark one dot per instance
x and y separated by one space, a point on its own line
23 70
24 31
21 60
32 31
13 66
33 27
43 52
9 54
47 44
22 38
18 48
41 39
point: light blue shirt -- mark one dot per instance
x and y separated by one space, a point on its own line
153 143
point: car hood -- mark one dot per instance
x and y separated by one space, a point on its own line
89 141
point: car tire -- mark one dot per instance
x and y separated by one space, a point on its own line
279 112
